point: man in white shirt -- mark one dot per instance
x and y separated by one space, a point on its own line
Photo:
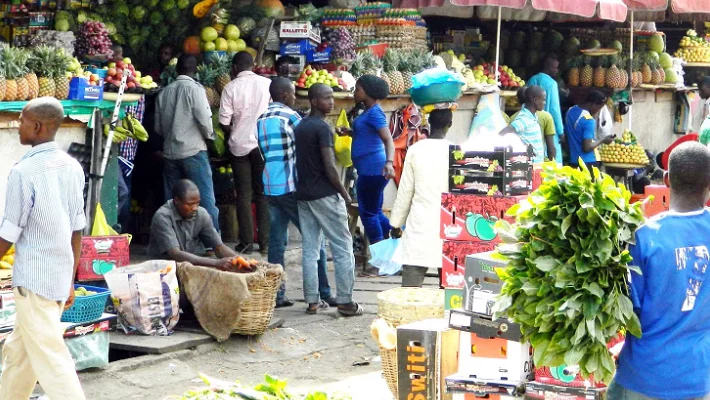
44 218
243 100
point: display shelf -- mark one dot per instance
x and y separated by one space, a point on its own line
71 107
697 65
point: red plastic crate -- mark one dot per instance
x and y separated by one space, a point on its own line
100 254
661 201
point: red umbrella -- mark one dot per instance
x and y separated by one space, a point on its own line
690 6
614 10
646 5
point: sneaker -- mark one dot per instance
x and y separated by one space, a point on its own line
244 249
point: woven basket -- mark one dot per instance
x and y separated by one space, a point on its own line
401 306
257 310
389 369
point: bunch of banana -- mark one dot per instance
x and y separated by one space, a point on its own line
130 127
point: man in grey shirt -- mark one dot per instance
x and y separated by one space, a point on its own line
184 119
181 230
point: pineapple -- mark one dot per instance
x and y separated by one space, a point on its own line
587 74
42 63
207 75
366 63
646 72
624 78
3 82
390 63
61 80
13 72
223 65
656 78
573 73
614 78
600 72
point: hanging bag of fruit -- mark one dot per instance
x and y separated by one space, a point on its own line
343 144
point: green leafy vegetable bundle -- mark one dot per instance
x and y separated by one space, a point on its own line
566 281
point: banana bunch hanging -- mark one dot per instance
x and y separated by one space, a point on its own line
130 127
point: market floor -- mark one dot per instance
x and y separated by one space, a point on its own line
323 350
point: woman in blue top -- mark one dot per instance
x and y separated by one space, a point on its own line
372 154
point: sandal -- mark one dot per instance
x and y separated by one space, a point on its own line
321 305
347 312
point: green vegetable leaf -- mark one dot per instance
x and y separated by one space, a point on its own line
574 355
546 263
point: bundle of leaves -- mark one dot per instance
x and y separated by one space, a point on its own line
566 281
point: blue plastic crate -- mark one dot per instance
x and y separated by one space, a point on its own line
87 308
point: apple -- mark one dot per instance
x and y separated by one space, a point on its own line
127 61
111 71
94 78
112 65
138 74
120 64
130 85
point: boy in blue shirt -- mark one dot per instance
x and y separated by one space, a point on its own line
580 129
672 358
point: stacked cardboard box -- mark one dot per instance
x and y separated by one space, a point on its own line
501 172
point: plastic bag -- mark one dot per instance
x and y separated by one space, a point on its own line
435 75
382 254
343 144
146 297
704 136
217 146
101 226
89 351
486 126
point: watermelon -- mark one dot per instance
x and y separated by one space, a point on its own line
616 45
246 25
572 46
593 44
513 58
671 75
553 41
532 59
665 60
519 40
656 43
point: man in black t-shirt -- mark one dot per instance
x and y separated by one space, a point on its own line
322 208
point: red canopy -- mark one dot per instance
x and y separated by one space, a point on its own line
614 10
690 6
497 3
646 5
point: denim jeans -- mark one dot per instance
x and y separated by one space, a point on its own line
249 184
618 392
284 209
370 195
327 216
124 201
197 169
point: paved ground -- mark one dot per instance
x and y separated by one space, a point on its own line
322 350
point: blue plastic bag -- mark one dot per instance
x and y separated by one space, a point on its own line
435 75
381 256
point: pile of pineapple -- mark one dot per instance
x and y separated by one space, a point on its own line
26 74
610 71
624 151
397 67
694 48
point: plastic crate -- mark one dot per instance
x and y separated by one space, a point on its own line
377 49
436 93
87 308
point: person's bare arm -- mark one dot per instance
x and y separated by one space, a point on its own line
589 144
332 173
76 250
386 137
4 247
551 149
223 251
178 255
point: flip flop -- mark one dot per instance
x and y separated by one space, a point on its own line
321 305
358 311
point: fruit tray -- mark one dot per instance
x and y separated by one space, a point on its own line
87 308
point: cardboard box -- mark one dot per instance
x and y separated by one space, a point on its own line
299 30
86 328
537 177
484 326
79 89
7 309
101 254
495 359
465 387
497 161
481 282
299 47
426 354
453 260
539 391
514 184
468 217
453 299
493 396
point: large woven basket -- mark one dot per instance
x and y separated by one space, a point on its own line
257 310
401 306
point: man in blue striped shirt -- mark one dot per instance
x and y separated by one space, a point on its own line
526 125
44 217
277 143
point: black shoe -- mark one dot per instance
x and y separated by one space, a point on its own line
244 249
283 302
264 251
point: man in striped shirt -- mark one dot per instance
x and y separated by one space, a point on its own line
44 217
526 125
277 144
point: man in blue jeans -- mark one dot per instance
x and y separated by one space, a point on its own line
184 119
322 200
276 142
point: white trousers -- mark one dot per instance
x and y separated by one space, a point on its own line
35 350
